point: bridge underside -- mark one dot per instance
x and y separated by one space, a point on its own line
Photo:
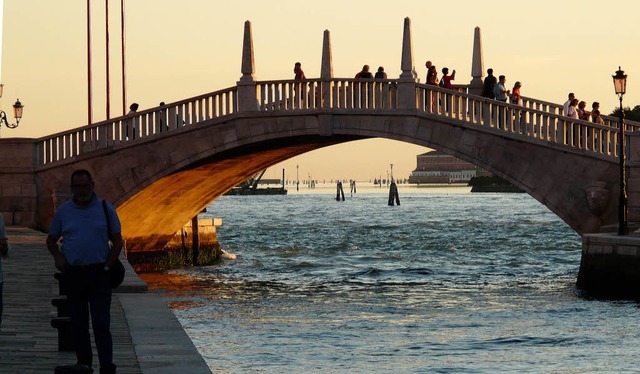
150 217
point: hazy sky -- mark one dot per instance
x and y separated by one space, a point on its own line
180 49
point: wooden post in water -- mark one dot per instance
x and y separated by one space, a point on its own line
393 194
195 245
339 192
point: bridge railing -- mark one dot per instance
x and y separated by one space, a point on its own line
334 94
136 127
545 106
518 120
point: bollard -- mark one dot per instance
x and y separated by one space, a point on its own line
61 305
393 194
65 337
340 191
63 322
62 283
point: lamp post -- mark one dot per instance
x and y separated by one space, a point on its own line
620 84
17 113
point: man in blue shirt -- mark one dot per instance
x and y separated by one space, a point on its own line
85 258
499 91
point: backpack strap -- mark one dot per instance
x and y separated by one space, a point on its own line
106 215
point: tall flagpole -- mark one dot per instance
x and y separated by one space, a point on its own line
107 54
89 108
1 19
124 90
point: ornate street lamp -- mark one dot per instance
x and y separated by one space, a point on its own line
17 113
620 84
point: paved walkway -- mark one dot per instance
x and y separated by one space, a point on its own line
147 337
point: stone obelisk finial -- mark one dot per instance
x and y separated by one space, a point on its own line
477 64
248 64
407 52
326 70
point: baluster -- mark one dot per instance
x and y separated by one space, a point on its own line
40 152
368 86
349 95
207 108
277 97
74 144
312 97
472 115
218 105
263 104
102 136
67 145
561 132
304 102
46 151
335 93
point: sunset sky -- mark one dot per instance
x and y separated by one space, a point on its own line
180 49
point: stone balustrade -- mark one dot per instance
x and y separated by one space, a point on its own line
535 120
519 120
135 127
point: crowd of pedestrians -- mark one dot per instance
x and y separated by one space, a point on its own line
492 88
577 109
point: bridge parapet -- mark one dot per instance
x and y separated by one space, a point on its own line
553 108
521 121
327 94
136 127
535 120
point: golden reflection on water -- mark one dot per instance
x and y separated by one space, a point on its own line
185 288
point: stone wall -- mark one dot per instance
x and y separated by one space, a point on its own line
178 252
17 182
610 265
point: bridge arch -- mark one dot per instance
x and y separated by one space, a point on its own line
158 183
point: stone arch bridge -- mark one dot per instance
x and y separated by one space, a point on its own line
162 166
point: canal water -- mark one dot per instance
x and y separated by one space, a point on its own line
447 282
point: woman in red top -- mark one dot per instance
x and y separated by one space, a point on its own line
515 94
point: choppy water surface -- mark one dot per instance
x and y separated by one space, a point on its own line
447 282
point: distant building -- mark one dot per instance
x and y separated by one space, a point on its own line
439 167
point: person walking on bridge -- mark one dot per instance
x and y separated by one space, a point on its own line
567 104
445 81
380 74
297 70
85 258
488 85
432 76
364 73
500 92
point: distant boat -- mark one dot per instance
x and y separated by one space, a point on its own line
492 184
250 187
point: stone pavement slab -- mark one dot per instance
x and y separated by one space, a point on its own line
147 336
